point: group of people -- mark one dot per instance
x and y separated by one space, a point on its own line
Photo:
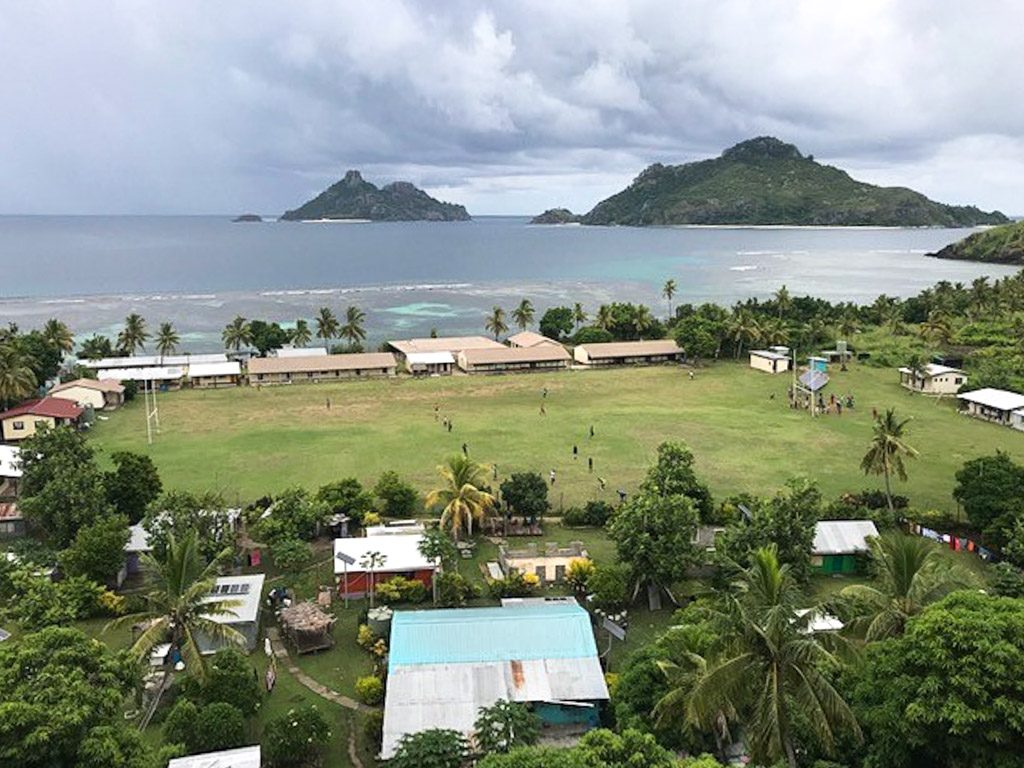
820 405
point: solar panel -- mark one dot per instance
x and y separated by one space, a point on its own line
814 380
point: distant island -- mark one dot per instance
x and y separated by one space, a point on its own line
557 216
765 181
999 245
355 198
247 218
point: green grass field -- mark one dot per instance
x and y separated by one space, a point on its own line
248 442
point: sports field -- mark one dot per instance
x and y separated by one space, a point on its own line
248 442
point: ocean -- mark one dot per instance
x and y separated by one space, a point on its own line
200 271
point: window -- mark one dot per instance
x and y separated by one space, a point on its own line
18 425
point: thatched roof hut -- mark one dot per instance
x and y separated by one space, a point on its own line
307 627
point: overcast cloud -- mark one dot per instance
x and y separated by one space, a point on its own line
175 106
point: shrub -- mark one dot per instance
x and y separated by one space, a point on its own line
609 585
593 513
230 679
401 590
453 590
205 729
578 574
397 497
296 737
373 728
370 690
372 518
514 585
365 637
291 555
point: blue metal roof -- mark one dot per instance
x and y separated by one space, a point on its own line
466 635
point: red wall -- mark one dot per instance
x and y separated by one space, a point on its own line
359 582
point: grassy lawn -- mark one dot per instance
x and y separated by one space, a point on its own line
248 442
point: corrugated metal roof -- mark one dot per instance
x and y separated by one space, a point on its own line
317 363
243 757
1000 399
842 537
632 348
147 361
461 635
230 368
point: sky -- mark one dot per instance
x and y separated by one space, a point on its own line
157 107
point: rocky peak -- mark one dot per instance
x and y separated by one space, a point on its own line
762 148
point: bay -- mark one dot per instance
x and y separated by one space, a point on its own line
200 271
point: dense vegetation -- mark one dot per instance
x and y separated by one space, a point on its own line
557 216
766 181
999 245
355 198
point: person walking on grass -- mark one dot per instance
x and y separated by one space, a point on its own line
602 482
552 476
590 464
543 411
591 431
465 450
449 425
328 403
575 452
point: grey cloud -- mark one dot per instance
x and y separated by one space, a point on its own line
506 107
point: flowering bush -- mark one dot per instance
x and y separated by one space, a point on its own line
296 737
370 690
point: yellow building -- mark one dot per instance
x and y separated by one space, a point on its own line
24 420
101 395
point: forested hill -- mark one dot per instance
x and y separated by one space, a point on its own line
355 198
765 181
999 245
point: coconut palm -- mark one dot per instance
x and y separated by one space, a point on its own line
579 315
134 335
495 322
523 314
848 325
17 380
59 336
643 321
459 498
353 330
937 327
167 340
775 331
772 668
326 325
605 318
179 606
911 574
237 334
96 347
743 330
301 335
888 450
668 290
783 301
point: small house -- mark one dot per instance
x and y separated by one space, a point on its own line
137 545
840 546
100 395
543 357
242 757
215 375
247 591
768 361
628 353
548 564
997 405
445 665
22 421
438 363
152 377
933 379
362 563
1017 419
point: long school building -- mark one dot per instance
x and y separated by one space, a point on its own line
319 368
543 357
629 353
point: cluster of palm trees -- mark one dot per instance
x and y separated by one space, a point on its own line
18 379
769 670
238 334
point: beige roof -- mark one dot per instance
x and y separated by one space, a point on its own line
632 348
529 339
106 385
351 362
539 354
453 344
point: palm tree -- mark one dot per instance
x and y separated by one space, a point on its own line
237 334
887 451
326 325
460 498
775 331
605 318
911 575
743 329
353 329
17 380
59 336
668 290
783 300
301 335
643 320
167 340
96 347
937 327
579 315
848 325
134 335
523 314
495 322
179 607
772 665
